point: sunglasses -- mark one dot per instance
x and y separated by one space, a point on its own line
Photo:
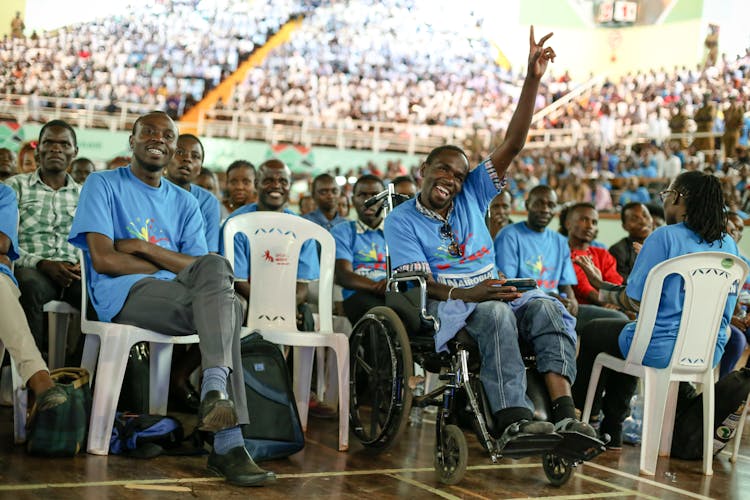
446 231
664 194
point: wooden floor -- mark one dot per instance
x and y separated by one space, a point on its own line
319 471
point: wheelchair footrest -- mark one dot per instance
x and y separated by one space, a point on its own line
524 445
578 447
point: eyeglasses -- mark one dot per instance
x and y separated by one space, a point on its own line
663 195
446 231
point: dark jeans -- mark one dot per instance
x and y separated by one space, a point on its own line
602 335
359 303
36 290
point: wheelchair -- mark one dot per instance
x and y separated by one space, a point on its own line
384 345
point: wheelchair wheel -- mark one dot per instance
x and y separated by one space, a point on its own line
557 469
451 459
380 367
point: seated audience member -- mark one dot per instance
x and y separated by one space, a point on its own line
80 169
272 184
325 192
208 181
633 192
14 330
117 162
7 164
405 185
360 252
529 249
442 233
344 205
562 229
696 222
149 266
657 214
498 215
582 223
638 223
27 158
182 171
48 267
740 324
240 185
306 204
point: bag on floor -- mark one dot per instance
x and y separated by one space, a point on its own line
144 436
61 431
730 396
275 430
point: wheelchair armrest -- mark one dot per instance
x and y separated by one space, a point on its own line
421 278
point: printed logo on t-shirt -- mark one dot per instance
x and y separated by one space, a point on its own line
449 260
372 259
541 273
467 280
148 231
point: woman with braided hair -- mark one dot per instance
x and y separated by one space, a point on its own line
696 222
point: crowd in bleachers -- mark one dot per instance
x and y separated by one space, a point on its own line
164 55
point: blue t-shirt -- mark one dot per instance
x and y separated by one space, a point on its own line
9 225
118 205
209 206
640 196
415 240
664 243
320 219
543 256
309 265
364 247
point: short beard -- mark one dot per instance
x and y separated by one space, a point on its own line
151 167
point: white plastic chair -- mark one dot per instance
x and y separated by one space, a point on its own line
275 241
106 349
709 278
20 401
58 316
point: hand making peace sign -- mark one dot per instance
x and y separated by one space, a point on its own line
539 55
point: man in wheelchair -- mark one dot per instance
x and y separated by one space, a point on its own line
442 233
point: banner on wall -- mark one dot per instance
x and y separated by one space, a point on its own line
12 135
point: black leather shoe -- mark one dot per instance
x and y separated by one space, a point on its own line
238 467
184 399
216 412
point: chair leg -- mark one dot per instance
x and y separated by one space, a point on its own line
708 426
20 405
321 370
58 338
303 360
341 349
113 357
90 354
596 372
667 426
654 404
160 364
738 435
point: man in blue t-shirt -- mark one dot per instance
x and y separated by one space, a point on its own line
183 170
272 184
148 265
529 249
360 252
325 193
443 234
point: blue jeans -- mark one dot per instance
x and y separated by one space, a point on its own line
497 327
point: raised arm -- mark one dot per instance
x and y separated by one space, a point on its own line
518 129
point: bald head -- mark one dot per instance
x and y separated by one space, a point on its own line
272 184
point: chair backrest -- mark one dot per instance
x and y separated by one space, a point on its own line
87 325
276 240
708 279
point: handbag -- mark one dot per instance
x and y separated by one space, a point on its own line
61 431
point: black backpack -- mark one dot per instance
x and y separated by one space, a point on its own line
730 395
275 430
